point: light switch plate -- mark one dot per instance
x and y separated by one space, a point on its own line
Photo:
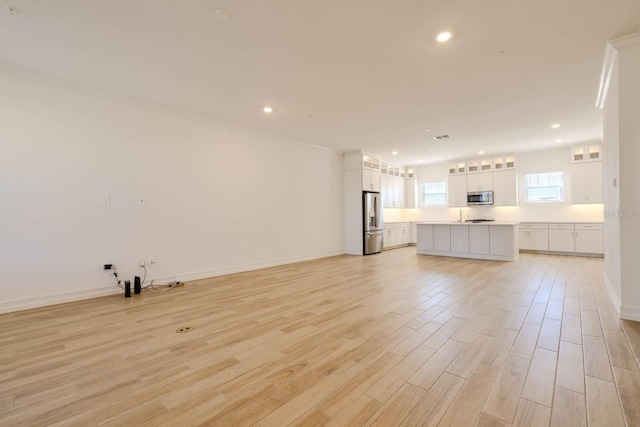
106 199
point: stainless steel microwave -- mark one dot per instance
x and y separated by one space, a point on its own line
480 198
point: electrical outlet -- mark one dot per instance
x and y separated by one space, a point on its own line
106 200
151 262
142 263
142 200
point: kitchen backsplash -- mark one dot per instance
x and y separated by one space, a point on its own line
528 213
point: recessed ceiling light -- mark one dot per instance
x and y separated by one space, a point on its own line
427 130
481 152
223 14
444 36
418 161
394 152
558 141
267 109
555 126
433 149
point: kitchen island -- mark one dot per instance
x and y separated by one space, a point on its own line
496 241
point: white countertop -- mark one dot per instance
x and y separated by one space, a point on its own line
465 223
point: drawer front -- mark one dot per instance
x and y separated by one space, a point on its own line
534 225
594 226
560 226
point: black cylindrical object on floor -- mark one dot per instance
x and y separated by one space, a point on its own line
137 287
127 289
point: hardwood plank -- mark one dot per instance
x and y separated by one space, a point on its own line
499 349
470 355
536 313
430 409
466 408
570 374
354 414
539 385
397 408
526 341
571 329
569 409
503 399
549 337
591 323
516 318
531 414
628 383
596 358
554 309
603 406
427 375
489 421
620 350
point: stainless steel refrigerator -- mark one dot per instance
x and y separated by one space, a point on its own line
372 210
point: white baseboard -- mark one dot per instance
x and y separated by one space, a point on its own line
63 297
630 313
58 298
612 294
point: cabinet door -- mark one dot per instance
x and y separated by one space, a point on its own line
442 238
524 239
424 237
480 181
501 240
457 191
561 240
460 239
539 240
594 182
376 181
399 190
384 191
479 239
405 236
367 184
411 193
505 187
579 183
589 241
386 239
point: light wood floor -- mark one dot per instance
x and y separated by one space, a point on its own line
391 339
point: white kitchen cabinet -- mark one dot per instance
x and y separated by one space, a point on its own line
505 161
482 181
413 234
396 234
442 238
371 180
534 236
411 193
393 191
424 235
398 193
505 188
460 239
502 241
589 238
480 165
561 238
458 167
457 191
586 181
479 239
586 153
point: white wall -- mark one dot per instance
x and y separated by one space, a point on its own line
629 146
528 162
211 192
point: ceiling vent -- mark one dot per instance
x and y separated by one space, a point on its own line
441 137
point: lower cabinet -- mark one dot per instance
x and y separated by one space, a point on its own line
502 241
479 239
460 239
424 237
442 238
396 234
584 238
534 236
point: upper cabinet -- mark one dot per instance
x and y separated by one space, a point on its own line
368 165
369 161
586 174
393 186
507 161
586 153
480 165
457 168
457 191
480 181
505 188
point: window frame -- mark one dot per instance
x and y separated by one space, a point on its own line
549 180
424 194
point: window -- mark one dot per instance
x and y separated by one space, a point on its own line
544 187
434 193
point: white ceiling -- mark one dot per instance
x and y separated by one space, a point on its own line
344 74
